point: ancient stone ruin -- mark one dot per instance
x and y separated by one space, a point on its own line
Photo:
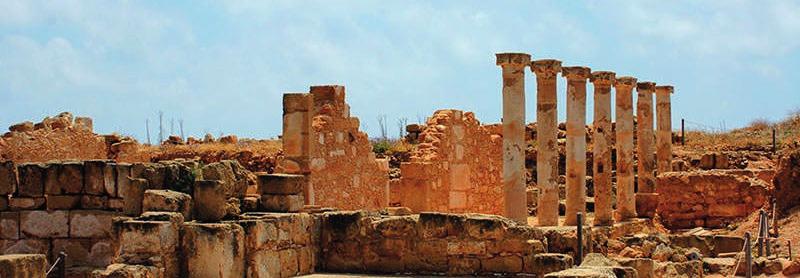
610 198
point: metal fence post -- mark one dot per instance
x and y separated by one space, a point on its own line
579 252
748 255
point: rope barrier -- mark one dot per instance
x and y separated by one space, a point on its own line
52 267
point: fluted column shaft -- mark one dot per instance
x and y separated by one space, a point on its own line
601 151
576 142
546 140
645 149
626 198
663 129
514 145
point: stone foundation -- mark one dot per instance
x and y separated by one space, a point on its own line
709 199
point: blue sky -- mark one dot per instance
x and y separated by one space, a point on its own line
223 66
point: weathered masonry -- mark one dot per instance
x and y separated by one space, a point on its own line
322 141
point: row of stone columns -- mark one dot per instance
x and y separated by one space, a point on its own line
546 71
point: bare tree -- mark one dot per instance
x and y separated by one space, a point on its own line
401 124
420 119
180 123
147 128
160 127
382 125
171 126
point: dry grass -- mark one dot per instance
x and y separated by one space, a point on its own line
756 136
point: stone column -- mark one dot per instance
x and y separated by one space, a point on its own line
296 138
663 129
513 64
626 199
645 149
546 140
601 141
576 142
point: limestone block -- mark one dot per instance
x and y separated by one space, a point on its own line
282 184
644 267
110 179
3 203
134 196
250 203
129 271
541 264
31 179
25 246
269 264
259 234
44 224
23 266
85 252
289 265
91 224
215 250
8 177
439 225
63 202
151 242
94 202
282 203
564 239
486 226
168 200
94 177
502 264
396 227
66 178
230 173
155 174
9 225
463 266
122 172
210 195
685 269
51 184
23 203
466 248
306 260
116 204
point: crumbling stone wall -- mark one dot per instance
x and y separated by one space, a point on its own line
710 199
323 141
456 167
433 243
46 208
58 137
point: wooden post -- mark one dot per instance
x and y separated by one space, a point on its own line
62 265
790 249
767 250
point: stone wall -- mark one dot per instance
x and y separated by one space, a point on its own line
323 141
711 199
433 243
256 245
46 208
456 167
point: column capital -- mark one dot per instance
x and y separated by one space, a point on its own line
546 68
513 59
625 82
576 73
669 89
645 86
603 78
